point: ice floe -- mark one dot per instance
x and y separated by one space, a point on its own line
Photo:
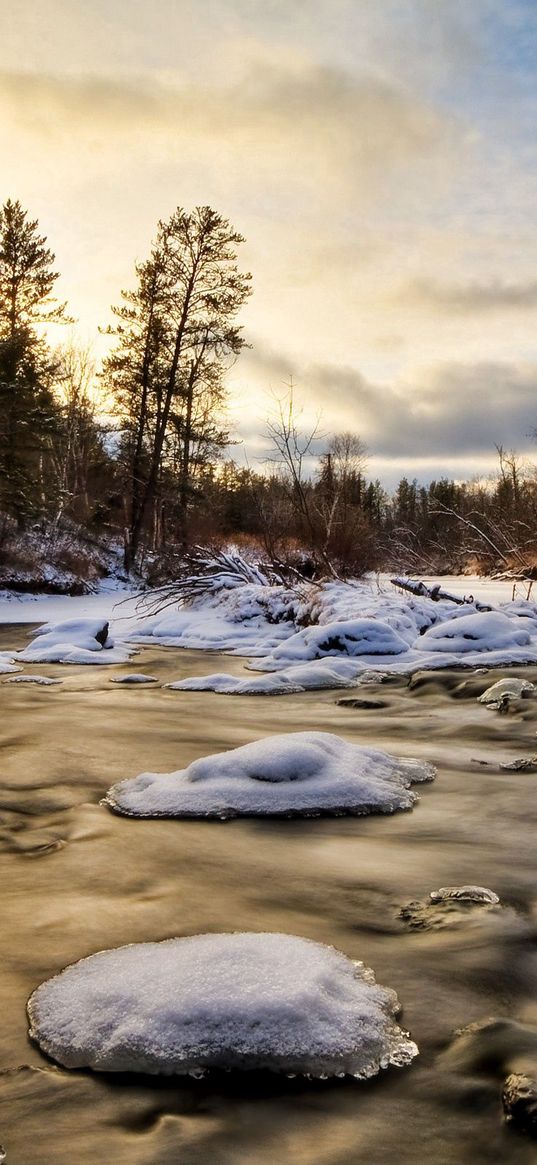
224 1001
134 678
44 681
295 774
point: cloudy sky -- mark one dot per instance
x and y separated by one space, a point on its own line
379 156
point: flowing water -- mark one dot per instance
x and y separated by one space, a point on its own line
77 879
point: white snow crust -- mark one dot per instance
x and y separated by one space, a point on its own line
44 681
233 1001
308 637
351 630
134 678
294 774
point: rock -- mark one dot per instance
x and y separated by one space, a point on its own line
134 678
102 634
354 702
526 764
511 687
519 1099
477 894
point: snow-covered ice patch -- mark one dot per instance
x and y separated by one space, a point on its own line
296 774
74 641
231 1001
228 685
7 665
45 681
134 678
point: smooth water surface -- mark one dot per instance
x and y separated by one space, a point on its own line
77 879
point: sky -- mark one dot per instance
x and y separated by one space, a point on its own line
380 158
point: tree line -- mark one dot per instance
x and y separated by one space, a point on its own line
137 449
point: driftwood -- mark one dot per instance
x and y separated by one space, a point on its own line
437 594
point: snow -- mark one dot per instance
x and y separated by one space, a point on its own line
6 663
74 641
308 637
486 631
294 774
233 1001
344 637
28 679
134 678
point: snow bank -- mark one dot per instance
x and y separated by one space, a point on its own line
233 1001
74 641
345 637
486 631
299 773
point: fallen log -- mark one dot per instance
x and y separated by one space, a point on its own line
436 593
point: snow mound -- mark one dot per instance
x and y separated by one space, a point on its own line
232 1001
134 678
514 688
297 774
487 631
346 637
45 681
74 641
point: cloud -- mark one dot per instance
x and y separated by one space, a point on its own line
472 297
354 122
454 410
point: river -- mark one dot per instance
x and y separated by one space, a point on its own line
77 879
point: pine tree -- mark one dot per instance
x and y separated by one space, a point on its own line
176 336
28 413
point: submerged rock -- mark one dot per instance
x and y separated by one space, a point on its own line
296 774
356 702
477 894
451 906
524 764
497 697
519 1099
231 1001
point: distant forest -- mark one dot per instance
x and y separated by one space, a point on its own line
135 454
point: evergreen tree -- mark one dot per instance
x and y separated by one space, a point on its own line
176 336
28 413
